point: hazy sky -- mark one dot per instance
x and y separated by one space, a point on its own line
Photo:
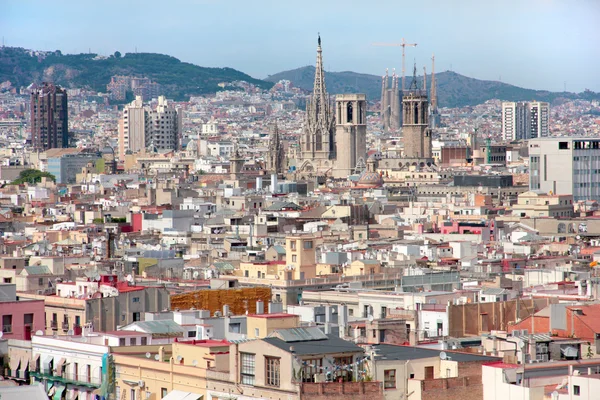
531 43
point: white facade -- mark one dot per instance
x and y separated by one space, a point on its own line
565 166
522 121
75 359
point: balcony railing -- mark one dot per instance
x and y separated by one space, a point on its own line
65 326
222 376
67 377
54 325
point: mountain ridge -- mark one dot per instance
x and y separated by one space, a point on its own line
178 79
453 89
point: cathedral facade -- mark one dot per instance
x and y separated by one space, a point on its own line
332 142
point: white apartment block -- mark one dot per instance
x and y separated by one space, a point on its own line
142 127
523 121
565 166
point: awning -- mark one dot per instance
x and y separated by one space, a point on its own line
181 395
60 365
34 360
24 365
47 361
58 393
14 364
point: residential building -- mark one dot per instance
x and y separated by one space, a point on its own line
525 120
20 317
132 128
565 166
539 204
49 117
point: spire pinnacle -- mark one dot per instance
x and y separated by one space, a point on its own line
319 39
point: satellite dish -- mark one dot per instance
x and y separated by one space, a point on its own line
371 318
196 274
157 357
195 363
179 358
39 333
522 345
443 355
129 278
148 355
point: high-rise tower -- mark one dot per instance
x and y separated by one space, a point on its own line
317 142
49 118
415 128
350 133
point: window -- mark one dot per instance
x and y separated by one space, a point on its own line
272 371
235 328
576 390
121 341
7 323
311 367
163 392
293 244
144 341
133 341
389 379
136 316
247 368
256 332
7 280
136 300
41 282
308 245
294 258
132 394
191 333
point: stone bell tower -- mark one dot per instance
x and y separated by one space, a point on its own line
350 133
415 123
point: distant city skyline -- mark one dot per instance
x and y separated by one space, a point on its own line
537 44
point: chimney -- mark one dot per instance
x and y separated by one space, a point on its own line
161 353
260 307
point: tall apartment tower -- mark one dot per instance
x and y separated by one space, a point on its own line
415 124
538 119
350 133
49 117
142 127
132 128
164 123
524 121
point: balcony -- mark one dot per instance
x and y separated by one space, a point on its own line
54 325
65 326
67 378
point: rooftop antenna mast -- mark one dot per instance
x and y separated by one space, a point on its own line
425 79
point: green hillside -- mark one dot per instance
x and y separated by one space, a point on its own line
179 79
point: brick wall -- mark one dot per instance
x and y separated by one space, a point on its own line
467 388
342 391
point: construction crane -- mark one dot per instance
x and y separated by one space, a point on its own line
402 44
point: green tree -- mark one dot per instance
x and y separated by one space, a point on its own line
32 176
117 54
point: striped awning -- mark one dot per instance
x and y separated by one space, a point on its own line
59 366
14 364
